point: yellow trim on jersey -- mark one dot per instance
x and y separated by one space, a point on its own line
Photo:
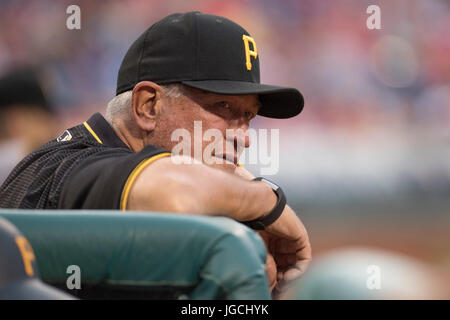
134 174
92 132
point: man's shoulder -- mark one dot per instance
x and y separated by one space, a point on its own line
72 144
95 135
36 181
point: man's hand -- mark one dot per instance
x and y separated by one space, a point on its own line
287 244
291 250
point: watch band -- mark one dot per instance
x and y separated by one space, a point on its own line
262 222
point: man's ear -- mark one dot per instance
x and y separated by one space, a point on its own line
146 104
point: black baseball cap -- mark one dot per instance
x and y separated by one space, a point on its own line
206 52
18 274
23 87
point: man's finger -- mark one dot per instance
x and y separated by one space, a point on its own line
285 246
285 260
271 270
295 271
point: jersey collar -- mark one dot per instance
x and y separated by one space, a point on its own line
102 131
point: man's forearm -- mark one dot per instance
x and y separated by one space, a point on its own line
199 189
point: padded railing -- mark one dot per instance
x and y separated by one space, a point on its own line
145 255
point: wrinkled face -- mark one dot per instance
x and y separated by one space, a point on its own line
218 124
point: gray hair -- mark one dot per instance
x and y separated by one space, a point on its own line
120 106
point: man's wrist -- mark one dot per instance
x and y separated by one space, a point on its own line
276 210
269 200
259 200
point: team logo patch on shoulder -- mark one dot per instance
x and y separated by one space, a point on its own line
65 136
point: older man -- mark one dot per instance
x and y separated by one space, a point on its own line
185 68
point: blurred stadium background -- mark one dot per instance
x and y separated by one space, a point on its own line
366 163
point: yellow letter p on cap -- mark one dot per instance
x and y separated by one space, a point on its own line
248 52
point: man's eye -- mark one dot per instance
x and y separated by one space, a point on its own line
249 115
223 104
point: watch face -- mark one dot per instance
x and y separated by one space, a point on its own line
271 184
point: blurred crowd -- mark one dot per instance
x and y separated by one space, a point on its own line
377 112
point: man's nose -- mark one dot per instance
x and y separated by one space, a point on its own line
241 125
241 138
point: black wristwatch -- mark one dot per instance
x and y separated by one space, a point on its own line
265 221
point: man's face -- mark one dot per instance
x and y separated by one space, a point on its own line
229 115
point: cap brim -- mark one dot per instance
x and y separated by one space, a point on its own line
277 102
32 289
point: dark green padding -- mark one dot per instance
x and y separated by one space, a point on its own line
209 258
